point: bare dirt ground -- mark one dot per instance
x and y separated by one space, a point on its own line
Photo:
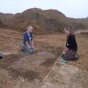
20 71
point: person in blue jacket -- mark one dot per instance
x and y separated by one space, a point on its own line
28 45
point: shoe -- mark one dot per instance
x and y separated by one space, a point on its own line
62 60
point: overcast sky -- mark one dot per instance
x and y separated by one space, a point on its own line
71 8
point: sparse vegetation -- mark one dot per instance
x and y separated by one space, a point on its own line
44 21
20 71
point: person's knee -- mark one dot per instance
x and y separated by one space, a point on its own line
30 51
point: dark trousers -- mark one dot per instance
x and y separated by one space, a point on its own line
70 55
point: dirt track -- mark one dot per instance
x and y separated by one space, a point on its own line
20 71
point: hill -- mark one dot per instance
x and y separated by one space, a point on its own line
43 21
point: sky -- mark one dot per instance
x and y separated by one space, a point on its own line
71 8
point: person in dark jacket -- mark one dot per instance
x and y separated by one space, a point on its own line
70 52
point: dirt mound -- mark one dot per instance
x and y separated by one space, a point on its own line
43 21
5 19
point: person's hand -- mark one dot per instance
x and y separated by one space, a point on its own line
29 46
64 51
33 46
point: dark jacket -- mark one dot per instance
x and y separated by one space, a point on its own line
71 42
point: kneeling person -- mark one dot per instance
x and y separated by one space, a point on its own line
70 53
28 45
